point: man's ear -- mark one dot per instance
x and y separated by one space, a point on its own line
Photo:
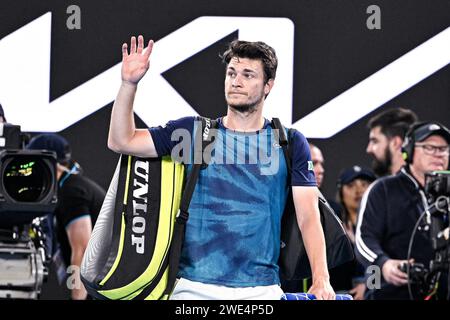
268 86
396 143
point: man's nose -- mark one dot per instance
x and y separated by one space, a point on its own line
236 81
369 148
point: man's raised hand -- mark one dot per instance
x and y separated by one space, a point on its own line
136 63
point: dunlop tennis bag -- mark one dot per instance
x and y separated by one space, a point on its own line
136 243
293 261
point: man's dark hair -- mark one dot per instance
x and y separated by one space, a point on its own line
253 50
394 122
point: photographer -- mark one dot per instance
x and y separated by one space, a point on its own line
79 202
391 207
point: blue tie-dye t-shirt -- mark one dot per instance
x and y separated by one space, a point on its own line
233 231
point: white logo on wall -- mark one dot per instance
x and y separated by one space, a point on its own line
25 82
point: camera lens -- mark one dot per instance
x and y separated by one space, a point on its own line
27 179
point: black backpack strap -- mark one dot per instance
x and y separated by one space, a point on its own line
202 132
289 153
280 135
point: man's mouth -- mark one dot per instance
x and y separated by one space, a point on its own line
437 164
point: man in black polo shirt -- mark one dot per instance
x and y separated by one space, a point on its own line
79 203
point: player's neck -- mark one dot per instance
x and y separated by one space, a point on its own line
243 121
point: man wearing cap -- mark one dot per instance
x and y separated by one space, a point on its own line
391 207
79 203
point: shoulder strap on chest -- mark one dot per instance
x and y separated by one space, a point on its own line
285 142
203 132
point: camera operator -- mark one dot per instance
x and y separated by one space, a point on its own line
391 207
79 202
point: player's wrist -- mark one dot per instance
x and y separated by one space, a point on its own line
129 84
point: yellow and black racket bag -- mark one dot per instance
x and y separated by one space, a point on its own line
127 255
136 243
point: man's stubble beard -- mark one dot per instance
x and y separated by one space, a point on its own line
247 108
244 108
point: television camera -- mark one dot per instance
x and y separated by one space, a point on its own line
28 193
436 227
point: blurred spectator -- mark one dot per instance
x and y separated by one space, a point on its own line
352 184
387 131
318 162
319 172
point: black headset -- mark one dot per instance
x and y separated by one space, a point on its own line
410 141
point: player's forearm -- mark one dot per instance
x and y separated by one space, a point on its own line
122 126
314 241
